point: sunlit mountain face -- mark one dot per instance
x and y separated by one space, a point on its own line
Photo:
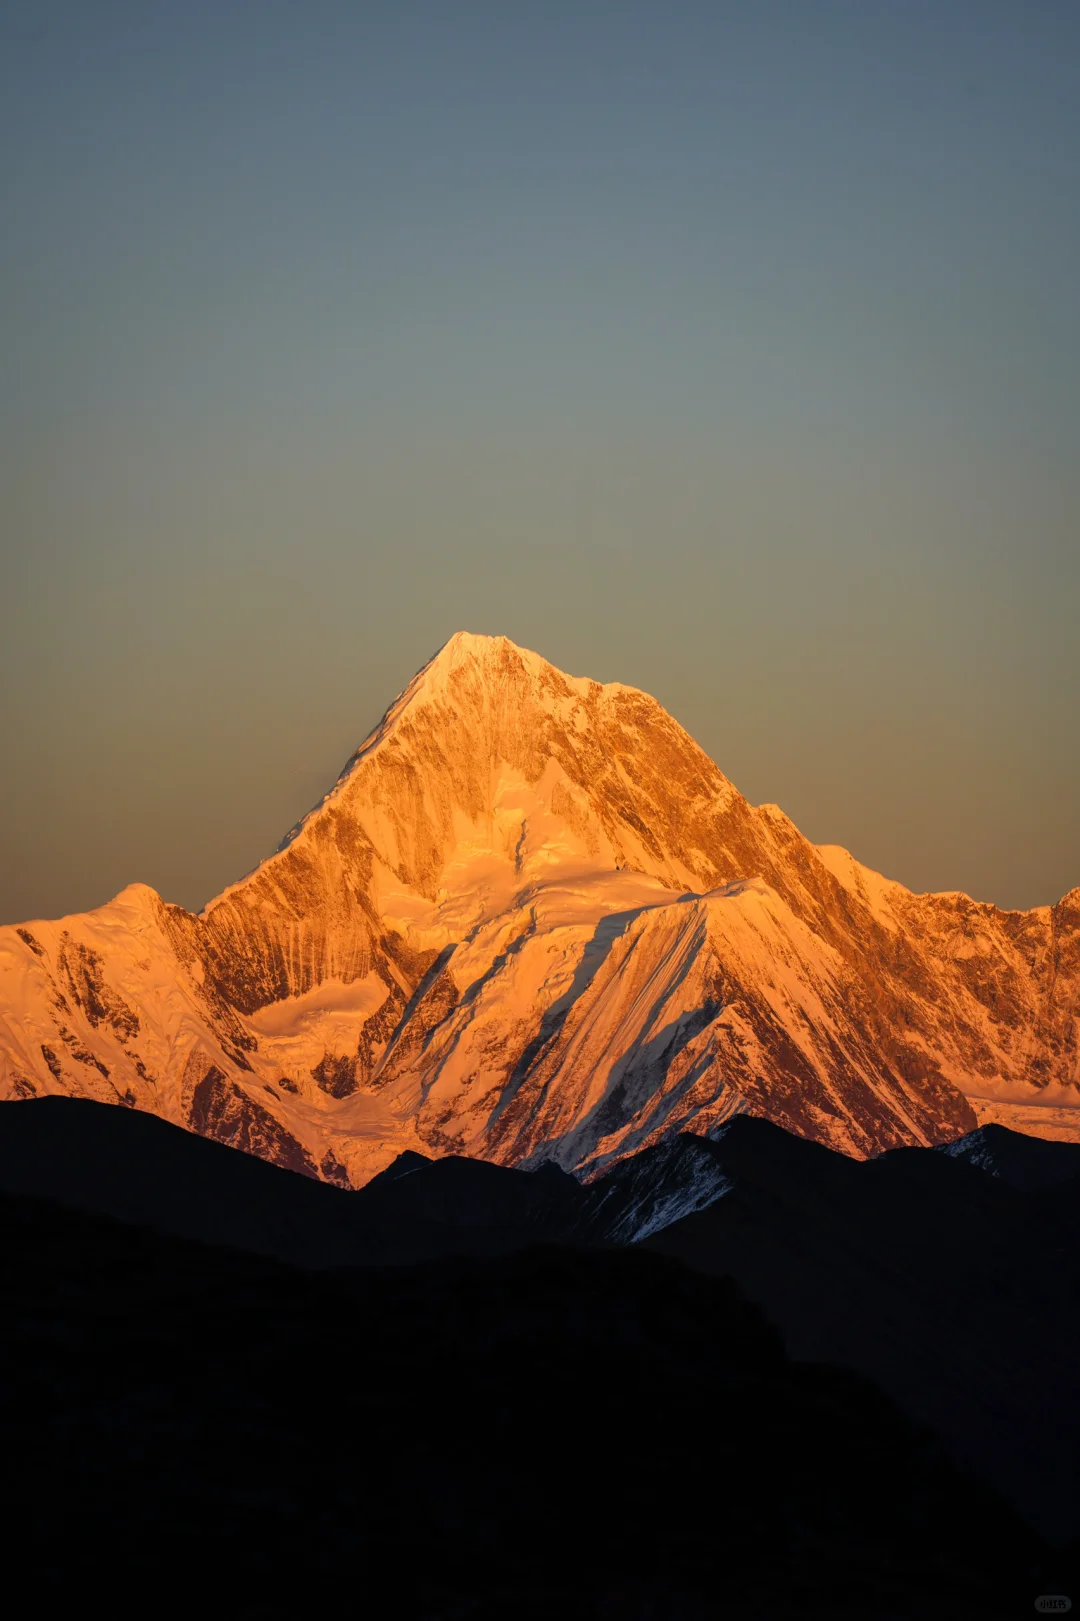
533 921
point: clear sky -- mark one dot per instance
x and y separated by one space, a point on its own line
728 350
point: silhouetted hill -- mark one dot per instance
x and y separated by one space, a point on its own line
557 1432
1022 1161
954 1291
138 1168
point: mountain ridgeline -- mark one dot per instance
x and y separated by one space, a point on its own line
946 1277
533 922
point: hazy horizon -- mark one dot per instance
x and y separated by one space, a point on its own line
728 351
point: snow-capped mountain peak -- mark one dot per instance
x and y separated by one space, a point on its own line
532 920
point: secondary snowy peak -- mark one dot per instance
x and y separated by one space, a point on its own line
533 921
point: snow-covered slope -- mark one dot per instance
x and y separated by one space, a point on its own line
532 920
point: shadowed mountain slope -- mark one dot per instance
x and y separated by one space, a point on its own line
551 1433
1021 1161
130 1166
956 1292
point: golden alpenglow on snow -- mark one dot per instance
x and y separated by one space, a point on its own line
532 920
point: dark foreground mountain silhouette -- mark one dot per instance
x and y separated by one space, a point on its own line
568 1432
951 1285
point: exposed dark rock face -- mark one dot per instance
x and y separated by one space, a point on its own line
82 1054
53 1062
378 1032
221 1110
81 969
333 1171
336 1075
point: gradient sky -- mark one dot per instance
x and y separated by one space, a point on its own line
728 350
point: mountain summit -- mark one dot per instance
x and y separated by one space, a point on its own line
533 921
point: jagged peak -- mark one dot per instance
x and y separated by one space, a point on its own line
492 653
492 656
